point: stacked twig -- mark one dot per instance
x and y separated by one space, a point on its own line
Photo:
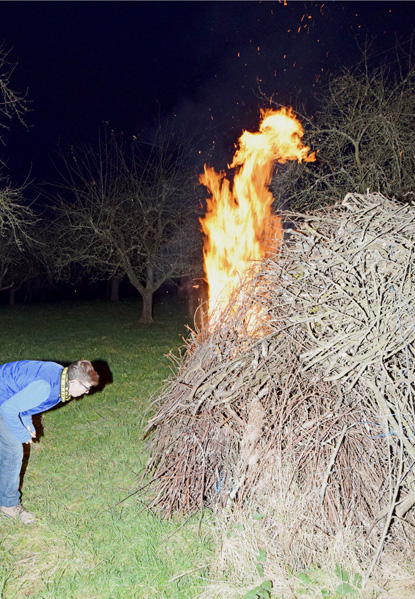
320 399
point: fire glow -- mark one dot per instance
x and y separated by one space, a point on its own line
239 224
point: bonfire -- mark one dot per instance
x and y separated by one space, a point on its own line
317 404
299 390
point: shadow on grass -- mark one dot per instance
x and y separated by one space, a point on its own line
105 375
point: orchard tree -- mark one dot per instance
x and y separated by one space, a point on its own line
364 137
18 241
12 104
127 210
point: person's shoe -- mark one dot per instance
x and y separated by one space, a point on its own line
17 512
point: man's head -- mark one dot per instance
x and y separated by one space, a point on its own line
81 377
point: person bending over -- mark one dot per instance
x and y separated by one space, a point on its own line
29 387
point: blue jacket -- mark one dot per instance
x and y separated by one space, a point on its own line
27 387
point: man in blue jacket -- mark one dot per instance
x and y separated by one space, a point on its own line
29 387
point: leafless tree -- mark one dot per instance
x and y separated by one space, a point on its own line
21 245
17 219
128 210
20 267
12 103
363 134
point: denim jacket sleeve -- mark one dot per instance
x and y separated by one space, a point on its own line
29 397
27 421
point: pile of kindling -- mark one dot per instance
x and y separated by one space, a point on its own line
318 401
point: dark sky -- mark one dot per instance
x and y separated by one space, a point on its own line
125 63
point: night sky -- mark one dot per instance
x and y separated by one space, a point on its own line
199 63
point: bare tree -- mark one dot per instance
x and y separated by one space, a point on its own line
363 134
21 245
19 268
128 210
12 103
17 218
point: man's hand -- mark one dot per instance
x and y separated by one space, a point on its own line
32 434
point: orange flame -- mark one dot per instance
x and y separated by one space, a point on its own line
239 224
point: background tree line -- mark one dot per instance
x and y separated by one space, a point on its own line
124 209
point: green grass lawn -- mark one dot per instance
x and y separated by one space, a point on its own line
91 456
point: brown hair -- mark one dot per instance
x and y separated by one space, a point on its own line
83 371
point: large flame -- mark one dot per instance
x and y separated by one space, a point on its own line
239 224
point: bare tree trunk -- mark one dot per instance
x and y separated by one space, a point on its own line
12 296
146 293
147 314
115 289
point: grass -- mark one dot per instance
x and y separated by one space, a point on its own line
93 541
90 457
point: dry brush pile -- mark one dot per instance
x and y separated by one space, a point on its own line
315 406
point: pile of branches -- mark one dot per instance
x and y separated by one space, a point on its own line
318 400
